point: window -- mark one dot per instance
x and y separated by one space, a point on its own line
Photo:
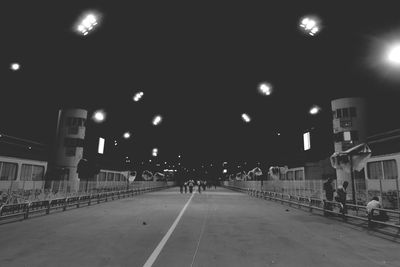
386 169
374 170
290 175
70 151
8 171
37 173
338 113
26 172
298 175
110 176
102 176
334 114
117 177
390 169
353 112
345 113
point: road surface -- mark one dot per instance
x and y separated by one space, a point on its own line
215 228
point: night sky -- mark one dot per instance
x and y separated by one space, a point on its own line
199 66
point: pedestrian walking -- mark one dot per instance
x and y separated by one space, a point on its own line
204 184
329 190
185 185
191 184
199 186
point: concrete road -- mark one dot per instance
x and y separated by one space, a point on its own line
215 228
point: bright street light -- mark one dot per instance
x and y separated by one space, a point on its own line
310 25
15 66
99 116
314 110
157 120
138 96
265 88
127 135
246 118
87 24
393 55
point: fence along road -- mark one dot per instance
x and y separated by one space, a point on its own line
219 228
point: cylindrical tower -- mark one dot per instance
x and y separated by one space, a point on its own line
69 146
349 129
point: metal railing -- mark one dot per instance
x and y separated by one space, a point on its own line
23 210
358 212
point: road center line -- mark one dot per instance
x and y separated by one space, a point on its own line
150 261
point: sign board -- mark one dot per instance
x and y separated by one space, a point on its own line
306 141
100 149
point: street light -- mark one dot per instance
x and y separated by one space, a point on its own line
138 96
265 88
246 118
157 120
314 110
393 55
155 152
87 24
310 25
99 116
127 135
15 66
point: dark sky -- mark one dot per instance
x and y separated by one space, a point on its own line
199 65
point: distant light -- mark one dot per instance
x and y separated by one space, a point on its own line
246 117
127 135
100 148
138 96
265 88
179 156
225 171
15 66
30 148
99 116
155 152
314 110
157 120
278 134
394 54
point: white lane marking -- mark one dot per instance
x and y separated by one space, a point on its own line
150 261
201 235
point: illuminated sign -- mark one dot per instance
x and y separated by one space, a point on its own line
100 149
306 141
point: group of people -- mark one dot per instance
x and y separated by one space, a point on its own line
372 207
190 184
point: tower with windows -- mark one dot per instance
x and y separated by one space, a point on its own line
71 130
349 128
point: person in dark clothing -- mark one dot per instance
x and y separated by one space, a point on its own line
181 187
199 186
204 184
341 196
191 184
329 190
185 184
